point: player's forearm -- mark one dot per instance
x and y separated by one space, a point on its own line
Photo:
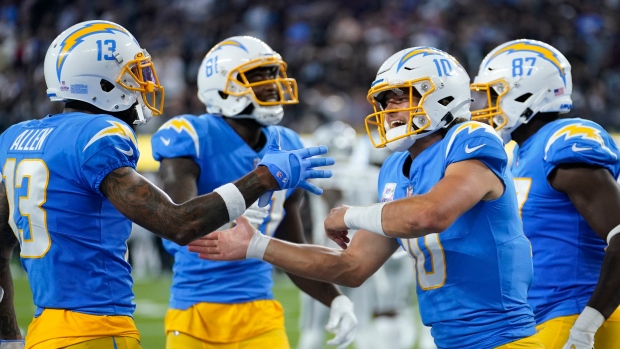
313 262
150 207
206 213
8 320
321 291
606 297
413 217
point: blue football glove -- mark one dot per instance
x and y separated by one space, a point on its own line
292 168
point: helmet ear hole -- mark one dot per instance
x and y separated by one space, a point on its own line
523 97
222 94
106 86
445 101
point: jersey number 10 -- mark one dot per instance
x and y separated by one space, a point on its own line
436 276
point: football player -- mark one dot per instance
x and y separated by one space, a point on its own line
70 191
244 85
565 173
447 198
383 303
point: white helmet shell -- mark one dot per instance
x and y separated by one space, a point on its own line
82 57
437 77
518 80
225 90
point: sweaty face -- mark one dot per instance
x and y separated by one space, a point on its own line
267 91
401 101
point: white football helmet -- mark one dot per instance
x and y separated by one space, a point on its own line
518 80
339 137
442 84
102 64
224 88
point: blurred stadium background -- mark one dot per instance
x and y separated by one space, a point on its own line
333 49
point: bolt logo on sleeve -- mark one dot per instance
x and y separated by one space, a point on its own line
117 129
471 127
578 130
181 124
77 37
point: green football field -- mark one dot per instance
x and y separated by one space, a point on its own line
152 299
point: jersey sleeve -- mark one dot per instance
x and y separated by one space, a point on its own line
177 138
584 142
475 140
104 145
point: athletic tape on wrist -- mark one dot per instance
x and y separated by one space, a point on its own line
615 231
257 246
589 320
235 203
365 217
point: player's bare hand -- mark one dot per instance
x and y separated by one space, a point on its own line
225 245
335 228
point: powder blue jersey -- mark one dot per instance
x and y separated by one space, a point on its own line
472 279
223 157
73 241
567 254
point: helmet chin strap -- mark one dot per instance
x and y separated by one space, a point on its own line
405 143
143 114
400 144
506 135
267 116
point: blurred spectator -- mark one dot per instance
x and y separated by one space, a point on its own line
333 47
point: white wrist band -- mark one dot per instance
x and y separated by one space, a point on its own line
589 320
235 203
257 246
615 231
365 217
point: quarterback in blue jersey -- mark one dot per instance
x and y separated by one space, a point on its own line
565 173
69 192
446 198
243 83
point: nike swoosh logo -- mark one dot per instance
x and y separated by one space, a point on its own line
166 141
469 150
576 148
126 152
